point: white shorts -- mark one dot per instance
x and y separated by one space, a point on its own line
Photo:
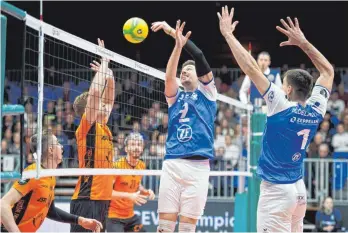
282 207
184 187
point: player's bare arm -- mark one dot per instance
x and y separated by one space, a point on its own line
97 87
171 85
147 192
245 61
297 38
108 94
6 203
203 69
136 197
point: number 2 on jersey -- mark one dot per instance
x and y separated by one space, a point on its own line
305 134
184 110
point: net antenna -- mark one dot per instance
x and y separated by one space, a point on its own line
50 31
40 90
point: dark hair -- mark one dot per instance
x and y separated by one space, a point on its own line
187 63
264 53
301 81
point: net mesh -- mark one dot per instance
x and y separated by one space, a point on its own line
139 106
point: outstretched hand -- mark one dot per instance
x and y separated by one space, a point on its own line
227 26
161 25
181 40
293 32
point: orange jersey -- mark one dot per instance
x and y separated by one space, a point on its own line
122 207
31 210
95 150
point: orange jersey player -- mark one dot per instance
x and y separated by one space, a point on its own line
29 202
128 190
94 145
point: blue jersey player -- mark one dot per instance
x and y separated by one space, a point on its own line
294 113
185 173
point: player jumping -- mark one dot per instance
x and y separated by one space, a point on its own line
185 173
95 148
26 205
128 190
292 121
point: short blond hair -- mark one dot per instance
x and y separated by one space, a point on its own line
80 104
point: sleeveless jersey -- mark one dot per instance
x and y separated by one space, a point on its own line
289 129
191 118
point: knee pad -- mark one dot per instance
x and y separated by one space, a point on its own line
166 226
187 227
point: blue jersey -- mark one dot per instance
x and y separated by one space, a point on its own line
191 117
271 75
289 129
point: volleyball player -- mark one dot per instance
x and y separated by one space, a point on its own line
128 189
29 202
249 88
292 121
94 143
185 174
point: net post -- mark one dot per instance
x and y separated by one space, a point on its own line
257 126
21 164
3 64
40 97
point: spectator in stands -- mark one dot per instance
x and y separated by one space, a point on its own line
219 137
8 122
345 122
17 127
324 131
313 148
120 143
163 128
69 128
59 117
145 128
345 81
161 147
64 141
15 147
4 147
153 150
153 120
324 151
8 136
335 105
68 108
232 151
158 112
66 91
340 139
225 128
59 105
328 218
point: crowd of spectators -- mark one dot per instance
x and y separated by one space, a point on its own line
140 106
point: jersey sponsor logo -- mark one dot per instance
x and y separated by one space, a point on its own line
184 133
271 96
270 77
303 121
124 183
296 157
42 199
323 93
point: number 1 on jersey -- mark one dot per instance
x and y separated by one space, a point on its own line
305 133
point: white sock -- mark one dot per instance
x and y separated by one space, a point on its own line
187 227
166 226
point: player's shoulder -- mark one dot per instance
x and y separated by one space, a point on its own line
141 165
120 163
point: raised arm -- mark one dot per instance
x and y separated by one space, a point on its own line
203 69
245 61
98 87
296 37
171 85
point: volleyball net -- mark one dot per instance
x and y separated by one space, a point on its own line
56 71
